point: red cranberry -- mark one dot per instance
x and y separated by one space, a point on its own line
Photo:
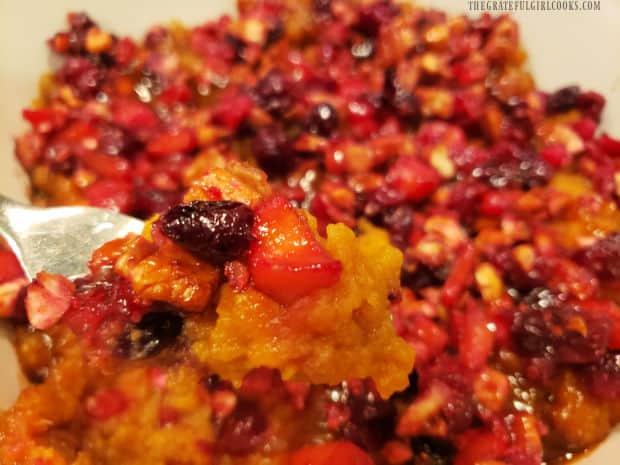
591 104
323 119
216 231
150 335
556 155
586 128
465 199
101 301
272 149
274 92
81 74
408 179
232 109
110 193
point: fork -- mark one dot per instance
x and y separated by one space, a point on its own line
61 239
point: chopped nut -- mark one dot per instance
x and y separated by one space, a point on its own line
431 63
562 134
525 255
253 30
97 41
437 34
489 282
441 161
436 102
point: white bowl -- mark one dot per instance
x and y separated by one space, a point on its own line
564 48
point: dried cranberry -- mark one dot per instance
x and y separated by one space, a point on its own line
115 141
237 45
401 100
274 33
154 332
514 275
274 92
323 119
459 411
422 277
561 333
510 165
272 149
398 221
212 382
216 231
240 432
602 257
372 420
563 100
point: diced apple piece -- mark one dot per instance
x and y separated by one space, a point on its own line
287 261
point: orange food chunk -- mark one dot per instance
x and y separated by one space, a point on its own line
286 251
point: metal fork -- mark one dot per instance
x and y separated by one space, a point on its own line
59 240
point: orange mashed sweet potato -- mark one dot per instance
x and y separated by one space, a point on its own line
338 332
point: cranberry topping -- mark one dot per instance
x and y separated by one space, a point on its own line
216 231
